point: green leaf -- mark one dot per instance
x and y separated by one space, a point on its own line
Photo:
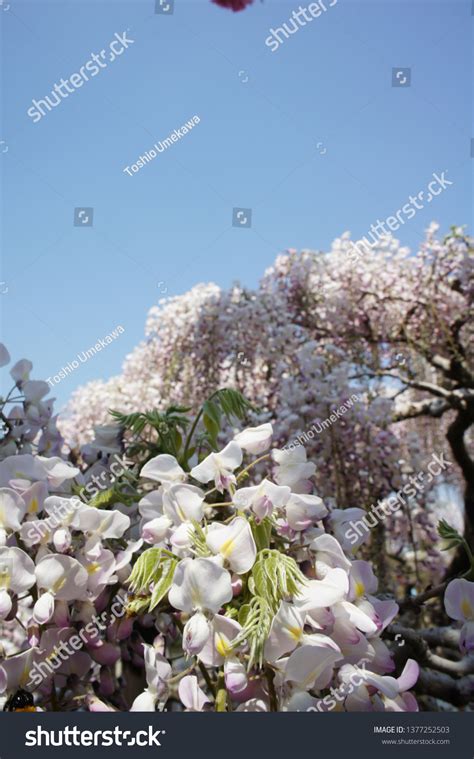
212 429
212 411
105 498
448 546
276 577
262 532
233 403
137 605
256 619
198 540
146 570
151 579
163 585
446 532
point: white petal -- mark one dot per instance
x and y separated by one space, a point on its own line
17 570
207 470
21 370
235 543
12 509
329 551
34 390
285 633
151 505
312 666
58 471
158 670
255 439
156 530
231 456
191 695
195 634
459 600
63 576
145 702
200 584
318 594
5 604
43 609
4 355
183 503
163 468
219 644
235 674
303 510
357 617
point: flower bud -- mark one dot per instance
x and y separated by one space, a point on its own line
195 634
62 540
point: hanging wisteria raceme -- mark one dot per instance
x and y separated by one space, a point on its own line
243 580
341 355
27 423
216 571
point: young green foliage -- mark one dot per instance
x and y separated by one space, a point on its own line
275 577
151 579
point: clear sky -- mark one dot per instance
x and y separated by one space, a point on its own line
312 137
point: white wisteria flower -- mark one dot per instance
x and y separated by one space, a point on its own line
234 542
98 524
219 467
191 695
459 605
262 499
62 578
286 631
200 585
17 575
195 634
163 468
255 440
158 671
183 503
319 594
312 666
292 467
12 511
304 510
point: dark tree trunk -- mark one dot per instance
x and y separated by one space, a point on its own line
455 435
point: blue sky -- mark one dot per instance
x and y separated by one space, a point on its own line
313 138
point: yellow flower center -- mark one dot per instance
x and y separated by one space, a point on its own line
359 589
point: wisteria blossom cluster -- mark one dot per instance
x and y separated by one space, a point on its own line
27 422
270 611
392 328
60 560
239 598
160 567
